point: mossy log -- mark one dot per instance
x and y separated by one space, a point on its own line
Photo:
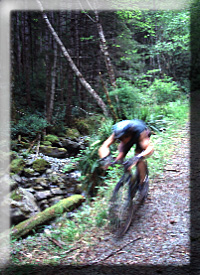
54 211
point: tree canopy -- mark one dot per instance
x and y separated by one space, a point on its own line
123 55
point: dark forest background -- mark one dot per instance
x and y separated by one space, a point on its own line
133 63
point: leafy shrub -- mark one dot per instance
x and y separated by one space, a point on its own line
164 90
91 173
129 98
28 125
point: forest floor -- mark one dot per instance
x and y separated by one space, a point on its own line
159 235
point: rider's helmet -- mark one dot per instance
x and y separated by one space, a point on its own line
121 129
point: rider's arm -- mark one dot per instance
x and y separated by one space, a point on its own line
104 149
147 147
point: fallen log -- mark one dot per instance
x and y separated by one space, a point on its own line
54 211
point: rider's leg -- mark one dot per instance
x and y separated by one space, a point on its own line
142 170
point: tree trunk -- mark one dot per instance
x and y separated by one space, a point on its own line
27 59
54 211
82 80
53 85
19 53
105 52
48 73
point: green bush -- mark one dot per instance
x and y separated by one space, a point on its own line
129 98
91 173
28 125
164 90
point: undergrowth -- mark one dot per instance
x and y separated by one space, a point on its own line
87 223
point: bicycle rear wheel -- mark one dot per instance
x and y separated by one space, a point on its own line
121 208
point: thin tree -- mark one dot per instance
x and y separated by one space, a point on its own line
82 80
104 49
53 85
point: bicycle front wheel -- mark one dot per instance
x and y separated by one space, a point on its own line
121 205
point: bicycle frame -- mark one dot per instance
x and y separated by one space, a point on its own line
133 186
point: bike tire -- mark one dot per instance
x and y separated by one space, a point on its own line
121 208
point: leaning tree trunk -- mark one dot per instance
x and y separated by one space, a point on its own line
54 211
82 80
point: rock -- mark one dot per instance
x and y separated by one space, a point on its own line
62 185
29 172
23 205
73 147
13 184
29 162
54 200
57 191
16 178
42 182
41 195
54 151
43 204
54 178
38 188
30 190
49 171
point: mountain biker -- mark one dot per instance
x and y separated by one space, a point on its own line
129 132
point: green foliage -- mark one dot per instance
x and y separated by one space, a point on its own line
88 164
88 125
163 90
71 165
28 125
89 167
15 195
70 231
17 165
129 97
101 218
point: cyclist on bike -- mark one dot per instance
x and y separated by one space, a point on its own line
129 132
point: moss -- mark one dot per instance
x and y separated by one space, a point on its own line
52 212
29 171
40 165
17 165
46 143
51 138
16 196
62 149
72 133
47 149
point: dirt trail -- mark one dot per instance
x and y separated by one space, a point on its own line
162 224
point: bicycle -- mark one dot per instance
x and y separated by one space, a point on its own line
126 199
